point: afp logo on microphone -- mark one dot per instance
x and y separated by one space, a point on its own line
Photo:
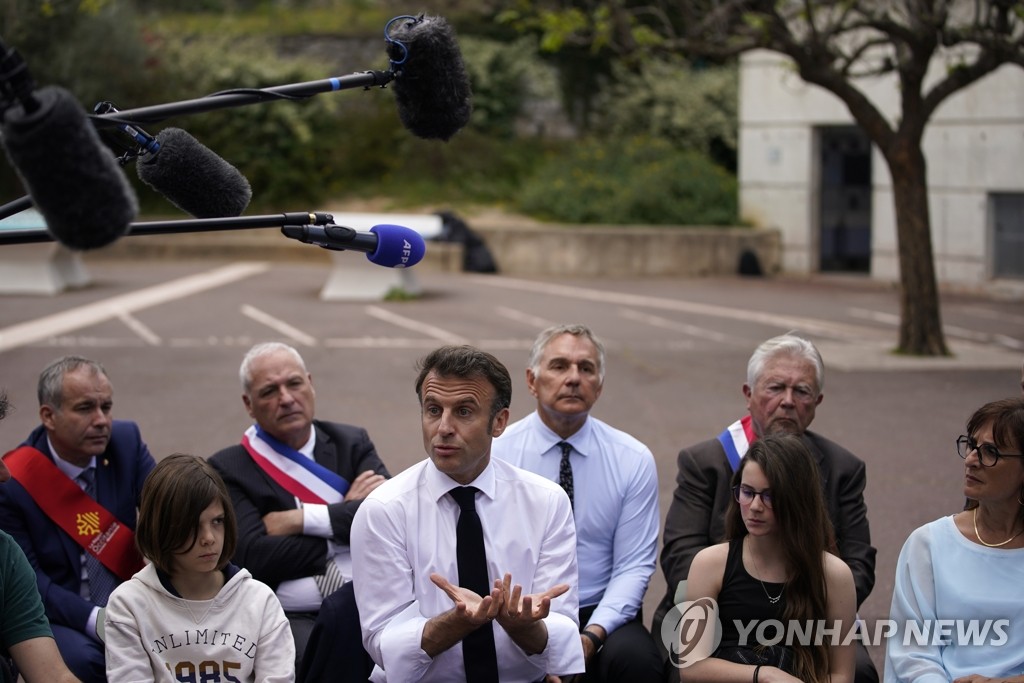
406 254
691 631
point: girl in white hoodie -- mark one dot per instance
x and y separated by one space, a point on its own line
190 616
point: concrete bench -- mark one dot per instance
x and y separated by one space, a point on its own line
354 278
46 268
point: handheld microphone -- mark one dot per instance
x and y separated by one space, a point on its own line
391 246
193 178
432 90
73 178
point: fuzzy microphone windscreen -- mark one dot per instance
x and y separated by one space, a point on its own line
432 90
193 177
73 178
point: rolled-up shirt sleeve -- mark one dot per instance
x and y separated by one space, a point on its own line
383 580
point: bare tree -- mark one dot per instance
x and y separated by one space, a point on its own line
835 44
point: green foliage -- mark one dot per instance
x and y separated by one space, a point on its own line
639 180
473 167
693 109
283 148
504 75
352 19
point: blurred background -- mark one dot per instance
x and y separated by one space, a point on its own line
573 135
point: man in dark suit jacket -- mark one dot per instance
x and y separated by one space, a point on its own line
785 377
295 543
77 435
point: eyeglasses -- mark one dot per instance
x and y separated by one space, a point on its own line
745 495
988 455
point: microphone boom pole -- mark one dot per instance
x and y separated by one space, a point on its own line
236 98
280 220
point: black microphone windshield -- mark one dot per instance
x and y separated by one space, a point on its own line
73 178
431 86
193 177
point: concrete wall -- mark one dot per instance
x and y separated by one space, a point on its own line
625 251
973 146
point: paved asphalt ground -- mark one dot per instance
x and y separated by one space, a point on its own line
172 334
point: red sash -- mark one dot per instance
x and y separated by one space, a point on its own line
83 519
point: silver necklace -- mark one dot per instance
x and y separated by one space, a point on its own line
768 595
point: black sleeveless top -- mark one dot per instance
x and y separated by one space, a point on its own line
743 608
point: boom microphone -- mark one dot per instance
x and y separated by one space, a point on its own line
391 246
73 178
432 90
193 177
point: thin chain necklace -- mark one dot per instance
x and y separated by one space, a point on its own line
768 595
990 545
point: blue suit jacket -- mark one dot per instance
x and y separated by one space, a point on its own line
53 554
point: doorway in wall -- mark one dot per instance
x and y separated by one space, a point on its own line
845 199
1006 211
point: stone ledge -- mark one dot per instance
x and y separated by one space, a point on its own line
529 248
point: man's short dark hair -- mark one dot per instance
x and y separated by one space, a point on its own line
466 362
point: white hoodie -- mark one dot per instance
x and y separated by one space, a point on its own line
240 635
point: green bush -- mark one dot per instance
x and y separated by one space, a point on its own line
289 150
640 180
504 77
691 108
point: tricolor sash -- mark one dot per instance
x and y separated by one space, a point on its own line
87 522
736 439
300 476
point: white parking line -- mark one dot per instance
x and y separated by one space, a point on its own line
835 330
692 330
521 317
414 325
136 326
90 314
278 325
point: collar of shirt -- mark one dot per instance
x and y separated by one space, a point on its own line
581 442
307 448
72 471
439 483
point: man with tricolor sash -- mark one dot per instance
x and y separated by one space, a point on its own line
71 505
785 378
296 483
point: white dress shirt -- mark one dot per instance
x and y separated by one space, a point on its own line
616 508
405 530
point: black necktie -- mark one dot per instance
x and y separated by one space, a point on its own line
478 652
102 581
565 471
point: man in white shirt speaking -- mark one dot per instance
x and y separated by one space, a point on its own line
464 567
612 482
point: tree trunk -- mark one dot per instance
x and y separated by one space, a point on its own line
920 319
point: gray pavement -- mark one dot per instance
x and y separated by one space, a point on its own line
172 333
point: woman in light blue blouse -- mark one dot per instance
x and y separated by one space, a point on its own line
958 602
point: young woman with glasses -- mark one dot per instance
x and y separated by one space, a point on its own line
967 570
785 603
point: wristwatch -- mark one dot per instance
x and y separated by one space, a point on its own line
598 643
